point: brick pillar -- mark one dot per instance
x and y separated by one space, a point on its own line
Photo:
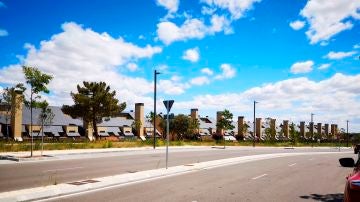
302 129
258 127
194 113
333 133
241 126
16 116
326 130
273 127
139 117
218 117
89 131
285 128
311 129
319 130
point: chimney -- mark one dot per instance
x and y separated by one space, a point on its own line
89 131
16 115
218 117
194 113
302 128
139 116
319 130
258 127
327 130
311 129
241 126
333 132
285 128
273 124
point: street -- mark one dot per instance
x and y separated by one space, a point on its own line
300 178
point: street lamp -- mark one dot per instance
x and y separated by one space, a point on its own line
155 75
312 130
347 133
254 131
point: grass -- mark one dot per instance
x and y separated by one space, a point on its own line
11 146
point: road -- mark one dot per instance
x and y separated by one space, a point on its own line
300 178
23 175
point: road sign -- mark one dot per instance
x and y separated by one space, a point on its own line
168 104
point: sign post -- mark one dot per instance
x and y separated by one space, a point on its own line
168 104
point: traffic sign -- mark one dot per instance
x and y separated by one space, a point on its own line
168 104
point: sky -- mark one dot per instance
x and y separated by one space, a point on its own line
293 57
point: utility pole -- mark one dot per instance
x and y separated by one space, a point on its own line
347 133
312 130
254 131
155 75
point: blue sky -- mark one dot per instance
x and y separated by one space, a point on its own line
294 58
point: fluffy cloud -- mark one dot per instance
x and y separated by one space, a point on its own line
132 67
3 32
237 8
356 46
339 55
297 25
302 67
199 81
191 55
324 66
207 71
227 72
328 18
78 54
292 99
171 5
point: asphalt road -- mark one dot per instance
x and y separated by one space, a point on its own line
300 178
23 175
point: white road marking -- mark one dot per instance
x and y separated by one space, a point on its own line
62 169
260 176
292 164
311 159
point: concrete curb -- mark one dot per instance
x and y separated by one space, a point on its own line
47 192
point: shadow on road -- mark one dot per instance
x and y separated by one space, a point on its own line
327 197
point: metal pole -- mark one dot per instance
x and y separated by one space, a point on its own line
167 135
347 133
312 130
31 121
155 73
42 136
254 131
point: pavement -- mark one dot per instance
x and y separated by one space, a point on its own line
66 189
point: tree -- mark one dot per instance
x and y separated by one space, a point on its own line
294 135
8 95
93 102
225 123
45 118
136 125
37 81
182 126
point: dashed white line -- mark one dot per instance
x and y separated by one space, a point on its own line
260 176
62 169
292 164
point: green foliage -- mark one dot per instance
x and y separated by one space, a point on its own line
182 126
225 123
92 102
294 135
136 125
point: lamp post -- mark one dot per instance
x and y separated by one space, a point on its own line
155 75
254 131
312 130
347 133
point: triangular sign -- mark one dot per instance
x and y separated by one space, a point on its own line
168 104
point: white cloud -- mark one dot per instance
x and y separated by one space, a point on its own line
199 81
297 25
192 54
328 18
339 55
356 46
78 54
132 67
169 32
219 24
302 67
333 100
324 66
207 71
227 72
171 5
173 86
237 8
3 32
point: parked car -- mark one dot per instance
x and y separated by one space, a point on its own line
352 186
356 148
